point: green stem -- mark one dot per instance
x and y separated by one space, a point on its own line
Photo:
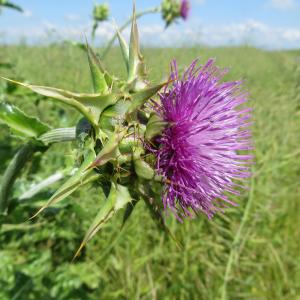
58 135
128 22
12 171
25 154
95 26
234 251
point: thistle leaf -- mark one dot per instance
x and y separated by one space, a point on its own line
117 199
109 150
136 66
124 49
98 72
80 178
128 211
90 105
111 115
141 97
21 124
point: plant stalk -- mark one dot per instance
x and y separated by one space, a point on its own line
16 164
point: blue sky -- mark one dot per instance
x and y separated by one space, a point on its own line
271 24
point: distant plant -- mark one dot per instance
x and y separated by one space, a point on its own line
173 10
8 4
178 145
100 14
170 10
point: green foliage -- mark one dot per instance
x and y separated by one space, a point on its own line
20 123
81 177
90 105
101 79
140 263
117 199
135 91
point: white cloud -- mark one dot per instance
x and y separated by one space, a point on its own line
283 4
72 17
27 13
252 32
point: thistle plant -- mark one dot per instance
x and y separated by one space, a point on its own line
174 145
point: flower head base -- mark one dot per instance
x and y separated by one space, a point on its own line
198 153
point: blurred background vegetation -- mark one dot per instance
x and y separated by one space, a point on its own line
251 251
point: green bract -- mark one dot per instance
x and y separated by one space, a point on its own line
112 133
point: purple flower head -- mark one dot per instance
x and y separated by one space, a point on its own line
184 9
200 153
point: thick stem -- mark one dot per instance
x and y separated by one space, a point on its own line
58 135
128 22
12 171
25 154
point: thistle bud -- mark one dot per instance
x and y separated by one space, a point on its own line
174 9
101 12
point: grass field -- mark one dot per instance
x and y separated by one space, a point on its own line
251 252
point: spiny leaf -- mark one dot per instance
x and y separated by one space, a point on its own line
90 105
117 199
128 211
140 98
124 49
80 178
97 71
109 150
111 115
20 123
136 62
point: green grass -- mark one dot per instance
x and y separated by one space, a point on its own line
250 252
